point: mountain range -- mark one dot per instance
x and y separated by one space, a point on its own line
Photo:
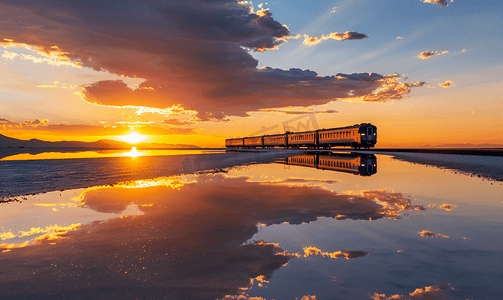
7 142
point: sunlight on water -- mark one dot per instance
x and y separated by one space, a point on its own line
104 153
356 226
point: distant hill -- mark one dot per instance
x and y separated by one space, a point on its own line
468 145
7 142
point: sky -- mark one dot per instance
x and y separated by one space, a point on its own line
425 72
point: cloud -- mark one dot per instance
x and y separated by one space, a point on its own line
192 240
428 54
391 88
269 88
333 9
399 38
447 84
173 121
9 55
435 292
463 51
448 207
338 254
348 35
188 236
93 130
52 55
442 3
11 125
426 233
431 86
205 68
292 112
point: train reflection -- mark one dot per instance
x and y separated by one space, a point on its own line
355 163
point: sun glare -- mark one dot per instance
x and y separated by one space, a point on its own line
133 138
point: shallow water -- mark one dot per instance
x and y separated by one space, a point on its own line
282 230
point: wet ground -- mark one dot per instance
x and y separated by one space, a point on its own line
256 226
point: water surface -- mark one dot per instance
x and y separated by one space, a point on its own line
286 229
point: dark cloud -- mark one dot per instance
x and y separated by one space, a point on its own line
193 53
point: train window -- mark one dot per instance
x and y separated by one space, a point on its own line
369 131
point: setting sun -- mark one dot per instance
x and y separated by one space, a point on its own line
133 138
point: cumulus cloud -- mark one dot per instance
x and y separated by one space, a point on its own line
11 125
446 84
348 35
426 233
442 3
391 88
269 88
428 54
207 68
448 207
435 292
197 50
119 128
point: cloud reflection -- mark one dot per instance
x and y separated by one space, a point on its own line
191 241
435 292
448 207
426 233
338 254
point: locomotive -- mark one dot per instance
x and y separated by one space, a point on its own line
357 136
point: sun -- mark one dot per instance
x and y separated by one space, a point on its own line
133 138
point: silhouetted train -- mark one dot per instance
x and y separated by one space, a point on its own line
357 136
355 163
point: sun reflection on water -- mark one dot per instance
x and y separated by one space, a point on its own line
134 153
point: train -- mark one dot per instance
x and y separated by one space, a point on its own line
354 163
358 136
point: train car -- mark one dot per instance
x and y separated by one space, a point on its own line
358 164
354 163
253 142
278 140
306 160
357 136
302 139
234 143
